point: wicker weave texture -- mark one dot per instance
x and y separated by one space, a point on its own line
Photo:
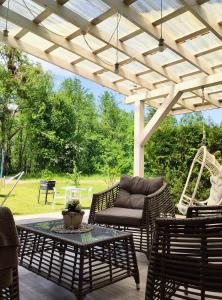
186 260
80 269
154 205
204 211
12 292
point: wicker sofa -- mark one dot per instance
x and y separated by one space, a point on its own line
125 206
186 261
9 286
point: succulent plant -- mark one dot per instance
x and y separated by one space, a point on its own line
73 206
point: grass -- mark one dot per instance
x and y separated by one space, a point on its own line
24 199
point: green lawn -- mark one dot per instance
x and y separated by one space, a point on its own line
24 199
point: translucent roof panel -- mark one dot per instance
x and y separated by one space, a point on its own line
214 8
151 8
128 84
165 57
213 58
26 8
88 9
135 67
65 54
124 26
159 85
89 42
182 25
202 43
111 76
110 56
153 77
36 41
142 42
89 66
194 48
12 28
219 69
182 68
65 28
194 76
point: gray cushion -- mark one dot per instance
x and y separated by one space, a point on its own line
119 216
139 185
127 200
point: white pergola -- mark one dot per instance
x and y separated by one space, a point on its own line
81 36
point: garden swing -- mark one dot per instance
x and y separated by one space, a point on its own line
6 180
208 161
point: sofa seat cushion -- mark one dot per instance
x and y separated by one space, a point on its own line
119 216
139 185
126 200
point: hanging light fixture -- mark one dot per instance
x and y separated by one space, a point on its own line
5 31
161 44
116 66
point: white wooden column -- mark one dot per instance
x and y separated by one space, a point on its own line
138 129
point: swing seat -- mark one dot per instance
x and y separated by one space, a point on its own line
208 161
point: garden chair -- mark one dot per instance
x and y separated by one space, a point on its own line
47 187
125 206
9 286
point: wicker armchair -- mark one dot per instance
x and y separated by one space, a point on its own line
9 286
186 260
139 222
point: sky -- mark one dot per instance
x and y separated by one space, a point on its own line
60 74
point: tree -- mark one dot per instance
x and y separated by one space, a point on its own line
116 138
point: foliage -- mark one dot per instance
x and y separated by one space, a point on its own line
75 175
47 174
115 137
73 206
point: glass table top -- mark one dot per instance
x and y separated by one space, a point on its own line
96 235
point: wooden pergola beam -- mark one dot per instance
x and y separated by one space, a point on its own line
86 26
160 114
64 65
204 17
192 35
142 22
103 16
186 86
74 48
170 16
80 22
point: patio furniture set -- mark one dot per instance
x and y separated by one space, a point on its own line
135 215
47 187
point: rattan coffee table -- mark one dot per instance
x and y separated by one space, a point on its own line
80 262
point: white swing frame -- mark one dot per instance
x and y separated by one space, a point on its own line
206 160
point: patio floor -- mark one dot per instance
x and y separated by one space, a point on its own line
35 287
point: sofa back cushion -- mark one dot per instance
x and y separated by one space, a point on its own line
139 185
134 189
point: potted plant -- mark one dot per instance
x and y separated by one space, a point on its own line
72 215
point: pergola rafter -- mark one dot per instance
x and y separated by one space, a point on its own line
84 41
64 65
82 23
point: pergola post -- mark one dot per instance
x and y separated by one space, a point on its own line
141 134
138 128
